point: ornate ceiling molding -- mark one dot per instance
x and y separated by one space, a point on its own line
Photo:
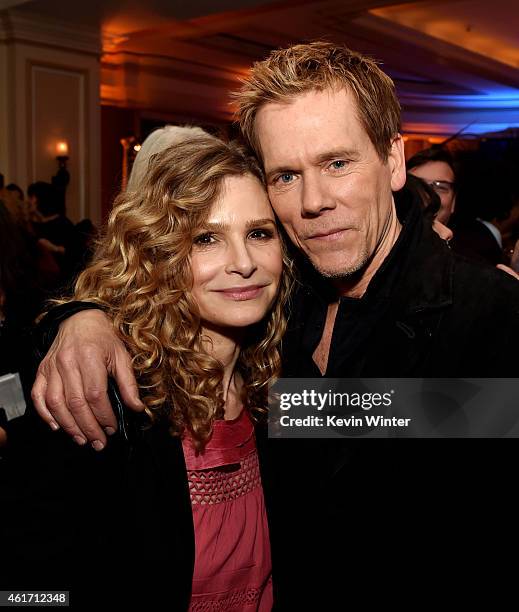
32 28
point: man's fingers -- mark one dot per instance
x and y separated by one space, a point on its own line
87 400
38 399
55 402
125 378
85 384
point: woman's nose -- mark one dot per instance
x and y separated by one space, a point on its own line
240 261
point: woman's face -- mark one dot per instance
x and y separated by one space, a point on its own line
236 259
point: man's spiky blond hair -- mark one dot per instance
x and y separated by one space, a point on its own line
318 66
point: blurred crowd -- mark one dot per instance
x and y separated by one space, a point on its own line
41 253
478 193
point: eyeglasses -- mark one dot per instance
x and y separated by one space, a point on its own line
442 187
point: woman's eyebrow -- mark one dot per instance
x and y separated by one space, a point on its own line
217 226
222 227
258 222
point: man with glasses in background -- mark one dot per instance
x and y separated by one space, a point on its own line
435 166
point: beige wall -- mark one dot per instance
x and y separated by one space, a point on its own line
50 92
57 113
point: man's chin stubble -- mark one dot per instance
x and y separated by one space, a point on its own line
347 272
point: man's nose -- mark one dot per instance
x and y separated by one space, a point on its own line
240 260
315 198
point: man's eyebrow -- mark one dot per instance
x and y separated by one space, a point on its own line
319 159
336 154
278 170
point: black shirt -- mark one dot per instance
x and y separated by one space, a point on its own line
355 318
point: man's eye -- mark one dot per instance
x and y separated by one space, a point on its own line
338 164
285 178
204 239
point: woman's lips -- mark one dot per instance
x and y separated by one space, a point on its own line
242 293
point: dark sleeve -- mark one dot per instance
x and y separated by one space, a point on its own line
47 329
59 510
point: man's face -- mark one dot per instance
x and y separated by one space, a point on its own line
440 177
328 186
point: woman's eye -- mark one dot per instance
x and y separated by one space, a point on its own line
260 234
204 239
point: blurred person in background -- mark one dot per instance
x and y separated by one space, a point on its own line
13 200
431 203
21 299
487 217
16 191
57 238
432 206
435 166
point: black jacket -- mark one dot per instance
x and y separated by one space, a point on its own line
427 313
113 527
366 503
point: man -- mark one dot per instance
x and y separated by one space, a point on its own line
13 199
383 296
488 216
435 166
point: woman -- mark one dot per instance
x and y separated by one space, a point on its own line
193 272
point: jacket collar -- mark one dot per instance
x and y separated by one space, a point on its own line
427 268
418 247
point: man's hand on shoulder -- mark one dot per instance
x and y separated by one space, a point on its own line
70 390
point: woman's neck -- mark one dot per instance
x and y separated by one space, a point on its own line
226 349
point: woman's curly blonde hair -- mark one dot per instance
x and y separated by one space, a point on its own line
141 276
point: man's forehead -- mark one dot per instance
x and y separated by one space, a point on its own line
314 122
313 106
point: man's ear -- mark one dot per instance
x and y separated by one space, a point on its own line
396 161
453 205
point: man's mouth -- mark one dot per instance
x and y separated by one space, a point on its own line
328 235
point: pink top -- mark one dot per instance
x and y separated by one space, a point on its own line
232 548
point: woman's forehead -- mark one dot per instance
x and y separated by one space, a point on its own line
242 198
